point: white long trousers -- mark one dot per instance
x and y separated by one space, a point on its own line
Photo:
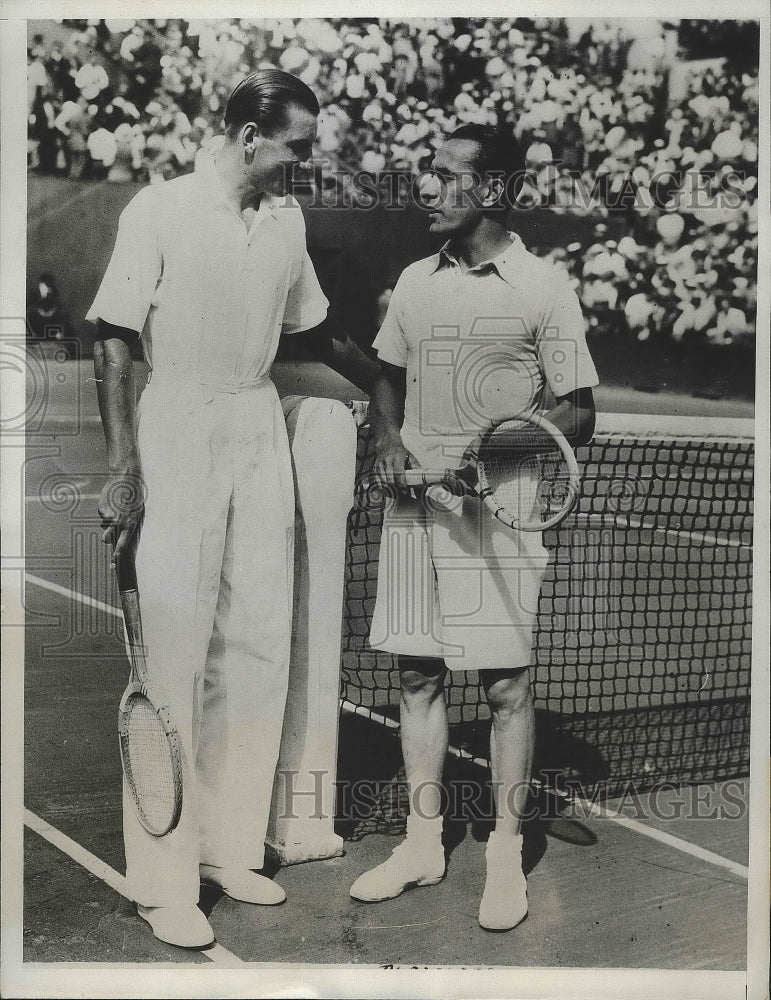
214 565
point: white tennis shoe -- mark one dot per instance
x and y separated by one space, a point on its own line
244 885
504 901
184 926
418 860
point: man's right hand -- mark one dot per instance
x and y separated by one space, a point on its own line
391 459
121 506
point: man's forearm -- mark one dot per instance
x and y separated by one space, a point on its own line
350 361
330 344
116 391
386 410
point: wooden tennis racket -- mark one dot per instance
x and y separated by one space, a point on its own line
150 748
522 469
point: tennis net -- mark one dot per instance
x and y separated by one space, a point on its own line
641 659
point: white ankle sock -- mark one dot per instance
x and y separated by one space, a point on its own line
424 830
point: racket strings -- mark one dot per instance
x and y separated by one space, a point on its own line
525 472
514 483
149 764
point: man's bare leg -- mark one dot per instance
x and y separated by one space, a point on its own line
512 739
418 860
424 732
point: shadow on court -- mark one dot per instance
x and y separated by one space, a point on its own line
370 756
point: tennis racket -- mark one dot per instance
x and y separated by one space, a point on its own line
150 748
522 469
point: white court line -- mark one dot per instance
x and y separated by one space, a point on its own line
79 854
598 811
601 812
695 536
216 953
54 421
383 720
90 602
45 214
50 499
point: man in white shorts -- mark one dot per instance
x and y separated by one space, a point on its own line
479 331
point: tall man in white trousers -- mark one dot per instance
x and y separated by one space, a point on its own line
210 269
480 331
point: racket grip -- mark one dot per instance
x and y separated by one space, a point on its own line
132 619
126 568
427 477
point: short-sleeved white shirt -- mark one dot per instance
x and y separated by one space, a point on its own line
209 296
481 344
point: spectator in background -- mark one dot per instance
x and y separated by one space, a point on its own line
47 319
730 323
44 132
91 79
572 143
147 71
61 73
696 313
432 77
401 79
74 123
37 76
640 312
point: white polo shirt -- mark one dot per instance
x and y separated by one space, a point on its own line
481 345
209 290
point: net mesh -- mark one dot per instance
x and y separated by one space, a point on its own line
148 765
641 657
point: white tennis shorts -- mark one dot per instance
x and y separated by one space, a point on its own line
454 583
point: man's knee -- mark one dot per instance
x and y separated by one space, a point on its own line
508 691
421 678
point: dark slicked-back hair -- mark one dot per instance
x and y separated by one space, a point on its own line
499 154
263 98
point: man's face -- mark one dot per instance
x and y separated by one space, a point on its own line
452 191
276 156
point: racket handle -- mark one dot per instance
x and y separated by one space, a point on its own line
431 477
425 477
132 616
126 568
132 619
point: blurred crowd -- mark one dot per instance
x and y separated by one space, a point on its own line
667 285
604 110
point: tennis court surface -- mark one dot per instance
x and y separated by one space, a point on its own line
641 677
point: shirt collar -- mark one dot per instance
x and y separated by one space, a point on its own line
214 190
504 263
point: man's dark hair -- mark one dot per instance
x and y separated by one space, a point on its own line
264 97
498 154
